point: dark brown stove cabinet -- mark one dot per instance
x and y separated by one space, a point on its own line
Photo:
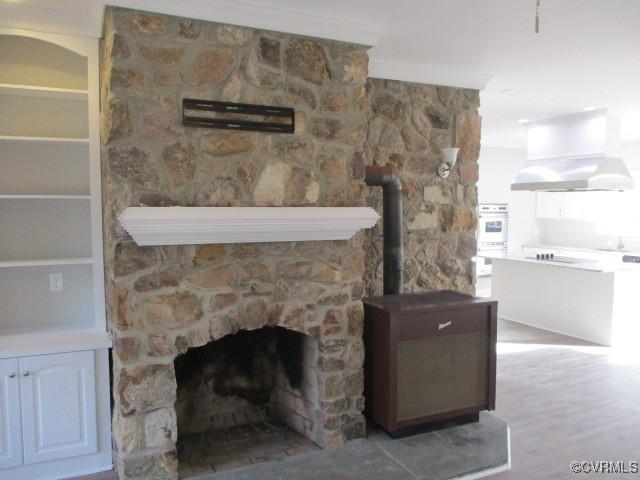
429 357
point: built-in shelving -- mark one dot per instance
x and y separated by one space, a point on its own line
49 191
42 92
46 262
44 140
51 230
45 197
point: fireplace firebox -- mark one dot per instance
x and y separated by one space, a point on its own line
245 398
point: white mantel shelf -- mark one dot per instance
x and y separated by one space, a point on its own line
193 225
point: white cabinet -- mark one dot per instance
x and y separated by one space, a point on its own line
601 207
574 205
58 406
550 204
10 426
563 205
47 408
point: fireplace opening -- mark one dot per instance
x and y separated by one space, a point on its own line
246 398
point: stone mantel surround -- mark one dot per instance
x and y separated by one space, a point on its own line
163 300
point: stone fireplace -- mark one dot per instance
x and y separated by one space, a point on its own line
170 306
167 305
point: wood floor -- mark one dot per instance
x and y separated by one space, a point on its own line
564 399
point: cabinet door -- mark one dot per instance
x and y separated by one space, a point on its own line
58 406
574 205
10 425
550 204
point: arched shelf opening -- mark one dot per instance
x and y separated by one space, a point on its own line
34 62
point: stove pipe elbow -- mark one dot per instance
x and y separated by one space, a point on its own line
393 250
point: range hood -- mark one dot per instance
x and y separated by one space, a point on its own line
579 152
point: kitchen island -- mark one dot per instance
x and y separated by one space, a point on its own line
591 300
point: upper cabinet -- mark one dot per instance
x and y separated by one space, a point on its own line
612 213
50 205
588 206
551 205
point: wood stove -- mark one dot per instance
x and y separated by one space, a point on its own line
429 357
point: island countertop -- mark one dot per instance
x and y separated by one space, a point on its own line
601 266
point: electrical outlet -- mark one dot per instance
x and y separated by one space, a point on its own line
56 282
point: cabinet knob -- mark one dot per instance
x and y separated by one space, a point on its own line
12 375
26 374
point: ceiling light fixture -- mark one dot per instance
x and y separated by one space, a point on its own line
537 22
523 120
589 109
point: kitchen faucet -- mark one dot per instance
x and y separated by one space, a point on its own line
620 245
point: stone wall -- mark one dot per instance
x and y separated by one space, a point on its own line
409 124
162 301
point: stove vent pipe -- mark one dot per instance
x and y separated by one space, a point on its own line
393 259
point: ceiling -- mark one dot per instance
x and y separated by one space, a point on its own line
586 53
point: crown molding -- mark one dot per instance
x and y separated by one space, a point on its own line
267 17
63 21
429 74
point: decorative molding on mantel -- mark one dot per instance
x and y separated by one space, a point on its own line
429 74
266 17
194 225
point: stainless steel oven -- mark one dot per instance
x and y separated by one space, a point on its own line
493 227
493 224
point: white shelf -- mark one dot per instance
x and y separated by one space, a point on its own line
193 225
46 262
45 197
44 140
25 342
42 92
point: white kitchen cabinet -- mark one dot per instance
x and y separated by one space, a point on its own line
550 204
562 205
10 425
574 205
58 405
599 207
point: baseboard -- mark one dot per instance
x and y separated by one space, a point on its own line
53 471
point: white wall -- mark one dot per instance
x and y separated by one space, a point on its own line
498 167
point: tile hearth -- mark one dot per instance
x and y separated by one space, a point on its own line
474 450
